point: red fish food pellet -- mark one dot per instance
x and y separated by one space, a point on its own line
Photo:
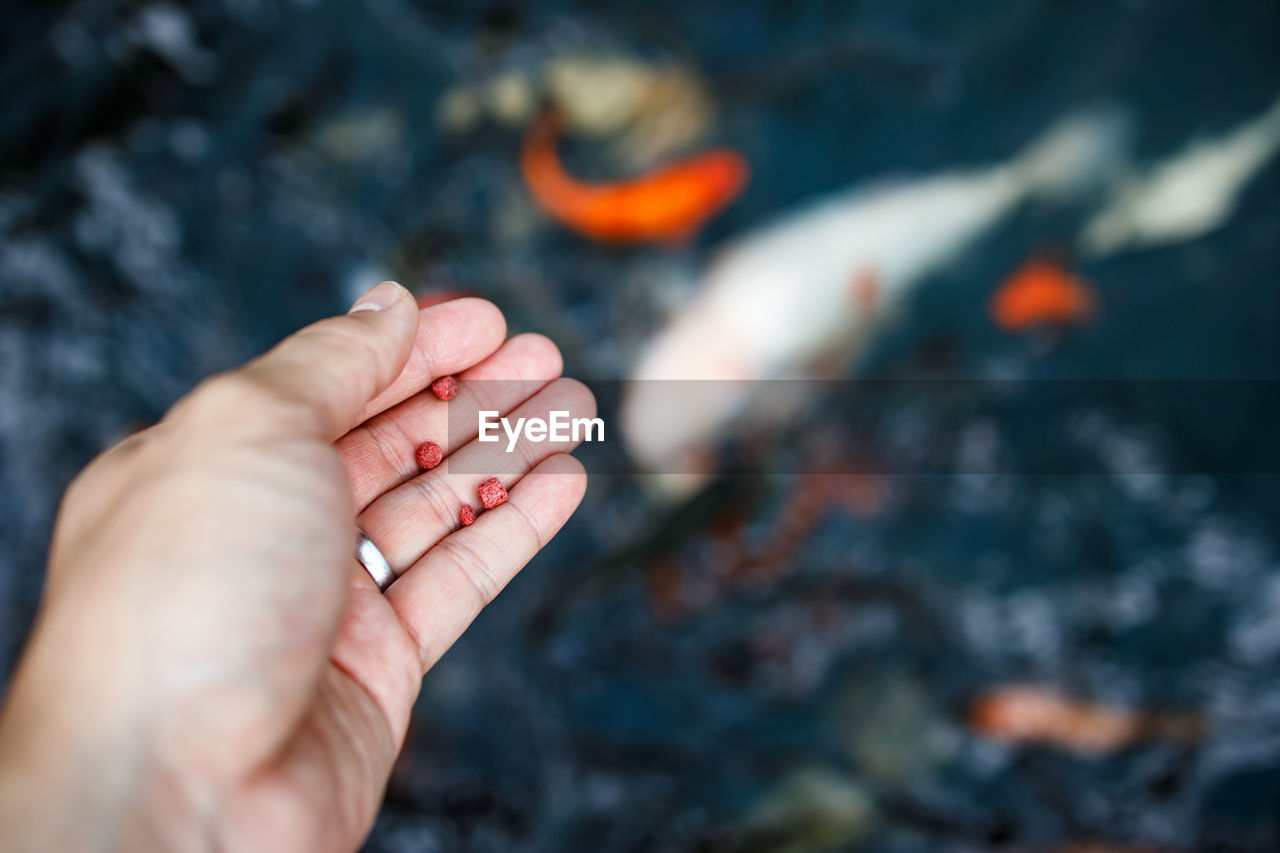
429 455
467 515
492 493
446 388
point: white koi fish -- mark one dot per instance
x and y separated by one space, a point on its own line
1188 194
823 279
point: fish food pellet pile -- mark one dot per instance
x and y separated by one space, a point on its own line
429 455
492 493
446 388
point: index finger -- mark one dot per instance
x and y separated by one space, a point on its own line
452 336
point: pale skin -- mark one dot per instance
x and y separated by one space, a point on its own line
210 668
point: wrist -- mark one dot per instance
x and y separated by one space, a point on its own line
70 781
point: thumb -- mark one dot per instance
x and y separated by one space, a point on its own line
335 366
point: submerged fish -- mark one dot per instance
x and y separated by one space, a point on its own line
822 280
1041 292
668 205
1188 194
1026 714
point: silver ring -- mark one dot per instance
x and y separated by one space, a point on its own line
373 561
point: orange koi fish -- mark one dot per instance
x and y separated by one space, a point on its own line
1025 714
668 205
1041 292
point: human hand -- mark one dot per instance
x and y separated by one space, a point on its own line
211 669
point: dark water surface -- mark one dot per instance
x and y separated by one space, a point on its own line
180 186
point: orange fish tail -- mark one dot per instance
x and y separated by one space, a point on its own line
1040 292
667 205
555 190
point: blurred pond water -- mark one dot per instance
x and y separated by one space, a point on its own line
769 667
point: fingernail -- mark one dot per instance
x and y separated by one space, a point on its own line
381 296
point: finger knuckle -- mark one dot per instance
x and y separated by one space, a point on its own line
530 526
438 498
353 345
474 568
390 446
225 397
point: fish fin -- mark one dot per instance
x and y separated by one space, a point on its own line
1078 154
864 290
